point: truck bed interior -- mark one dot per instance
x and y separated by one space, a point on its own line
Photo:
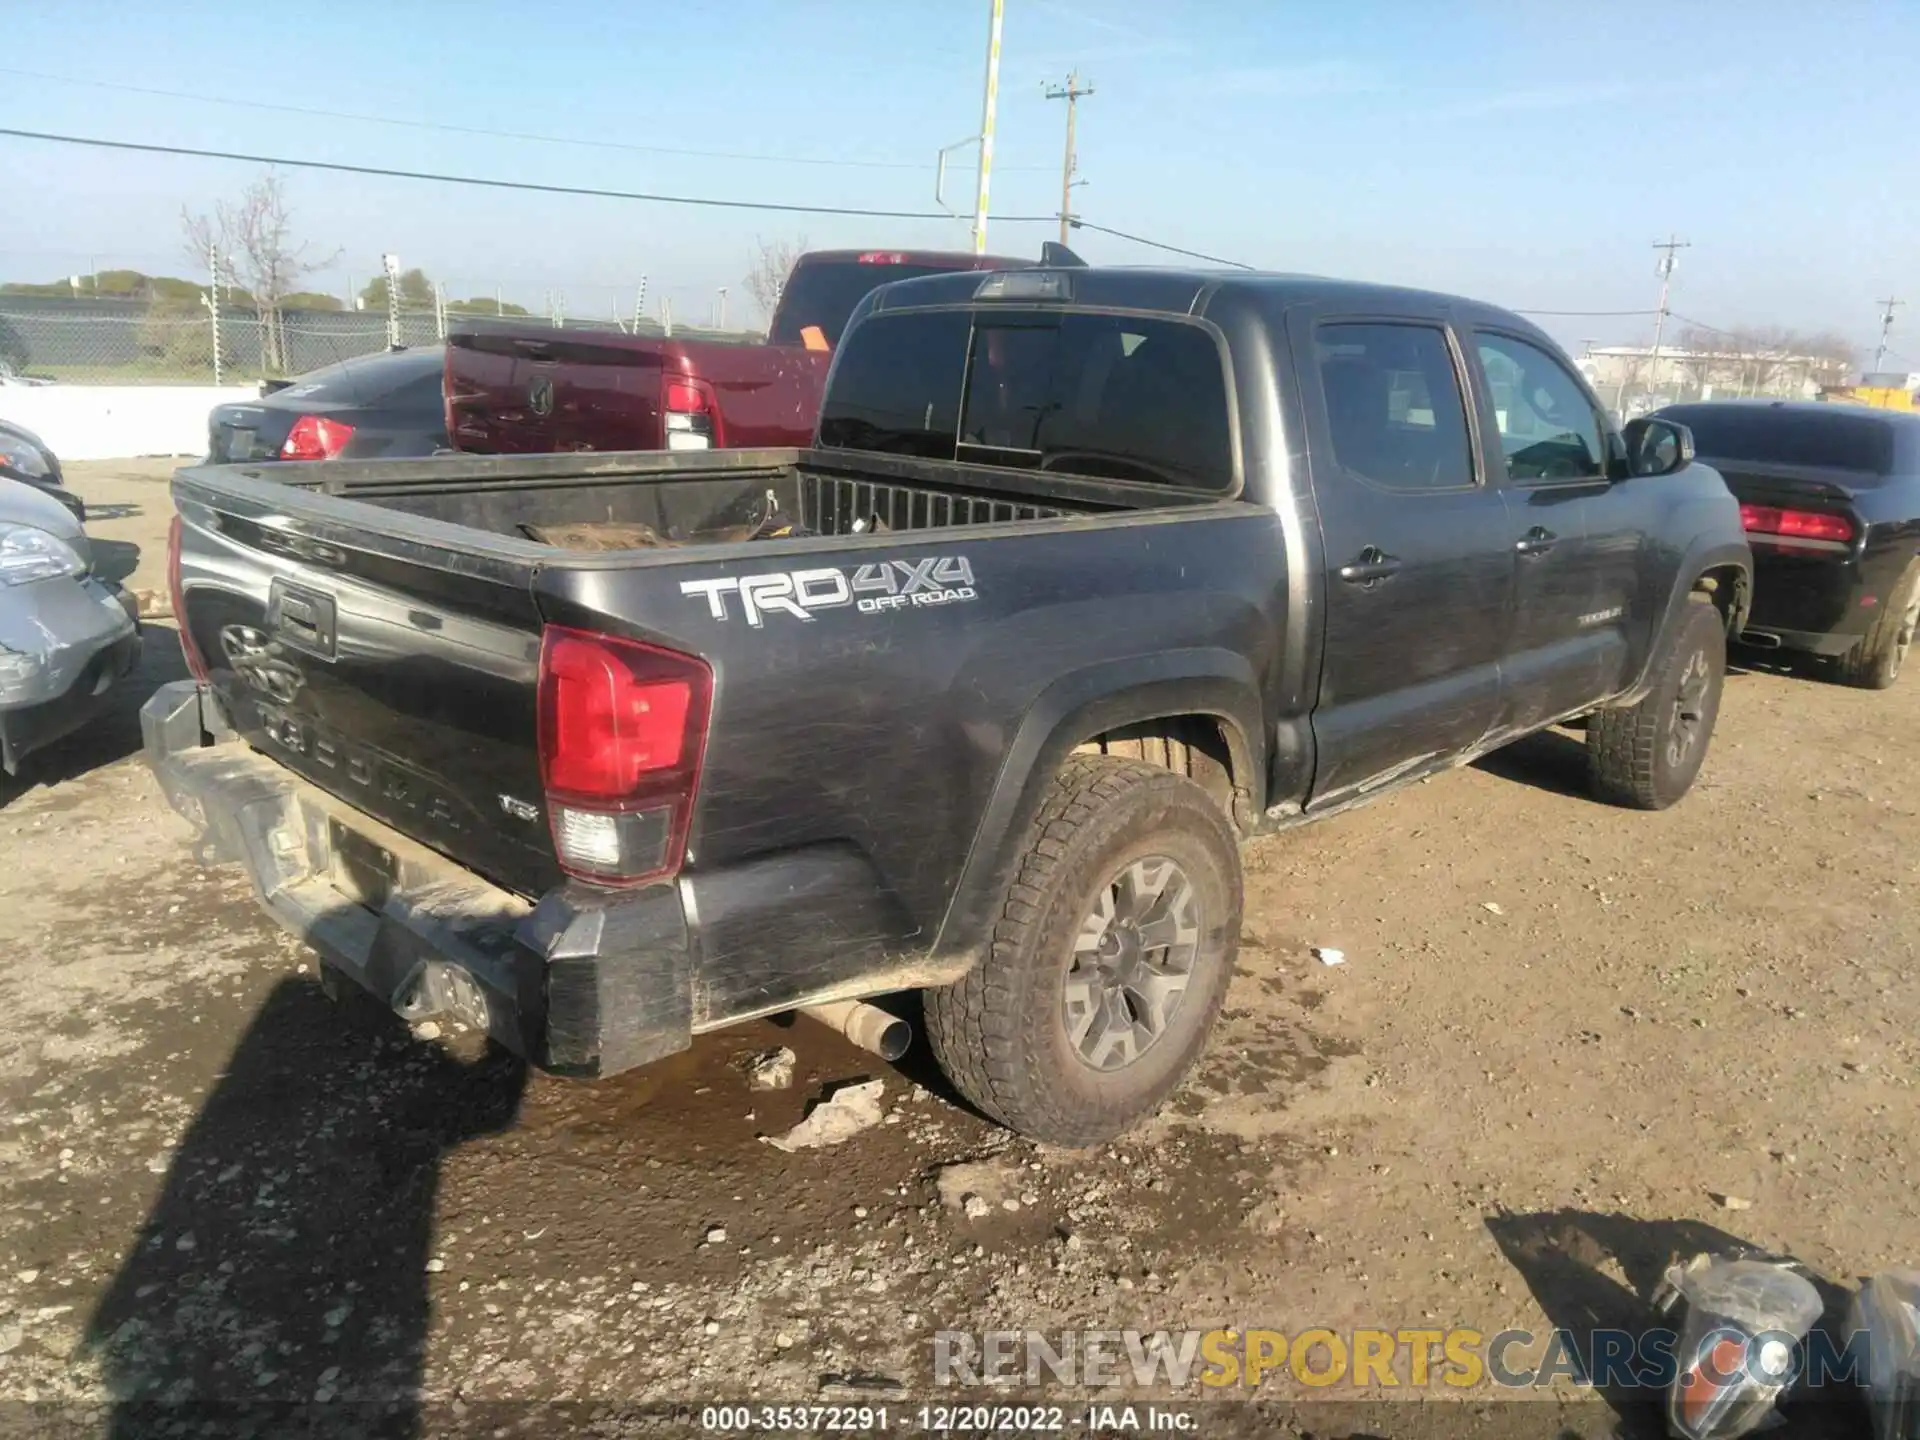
604 502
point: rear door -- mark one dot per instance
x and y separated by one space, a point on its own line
1576 538
1420 579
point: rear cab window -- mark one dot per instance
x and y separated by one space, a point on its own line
1134 398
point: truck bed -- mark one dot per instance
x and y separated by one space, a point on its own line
715 498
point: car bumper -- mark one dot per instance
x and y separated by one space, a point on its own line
1818 603
64 645
585 982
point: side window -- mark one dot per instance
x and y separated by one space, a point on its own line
1394 406
1548 430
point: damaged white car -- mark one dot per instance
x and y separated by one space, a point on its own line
67 637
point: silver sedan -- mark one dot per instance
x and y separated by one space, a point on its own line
67 637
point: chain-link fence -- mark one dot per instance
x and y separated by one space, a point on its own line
125 342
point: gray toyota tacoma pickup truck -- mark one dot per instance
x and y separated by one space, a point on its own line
1089 576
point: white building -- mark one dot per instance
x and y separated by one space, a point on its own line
1621 373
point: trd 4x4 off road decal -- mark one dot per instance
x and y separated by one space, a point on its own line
871 589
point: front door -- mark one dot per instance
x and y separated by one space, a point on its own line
1546 441
1419 576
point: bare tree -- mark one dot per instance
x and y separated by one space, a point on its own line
772 263
256 236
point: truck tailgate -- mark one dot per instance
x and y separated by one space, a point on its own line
397 670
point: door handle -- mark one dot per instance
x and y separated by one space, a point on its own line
1369 567
1536 541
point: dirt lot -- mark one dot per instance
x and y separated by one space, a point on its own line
1561 1033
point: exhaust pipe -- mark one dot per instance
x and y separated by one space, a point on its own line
867 1026
1760 639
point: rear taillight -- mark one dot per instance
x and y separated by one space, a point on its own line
315 437
1775 522
623 727
196 665
692 417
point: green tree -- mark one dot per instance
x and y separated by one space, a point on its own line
416 291
480 305
311 300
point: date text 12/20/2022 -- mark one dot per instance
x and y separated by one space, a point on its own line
946 1419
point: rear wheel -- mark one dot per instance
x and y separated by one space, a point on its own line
1876 662
1646 756
1109 962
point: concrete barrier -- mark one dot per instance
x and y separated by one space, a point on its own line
118 422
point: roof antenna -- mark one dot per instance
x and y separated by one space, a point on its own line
1053 253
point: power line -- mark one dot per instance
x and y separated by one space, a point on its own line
1587 314
488 183
446 128
1080 224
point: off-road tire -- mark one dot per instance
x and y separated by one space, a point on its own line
1630 758
1876 662
999 1034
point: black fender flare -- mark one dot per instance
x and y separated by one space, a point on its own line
1071 710
1704 554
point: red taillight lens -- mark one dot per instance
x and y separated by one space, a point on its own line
883 257
623 727
689 413
687 398
196 665
314 437
1796 524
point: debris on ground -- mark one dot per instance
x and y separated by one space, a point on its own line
771 1070
1732 1202
1492 907
1327 955
841 1116
984 1181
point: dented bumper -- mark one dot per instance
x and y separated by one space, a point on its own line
584 982
64 645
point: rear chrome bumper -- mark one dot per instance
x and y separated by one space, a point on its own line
585 982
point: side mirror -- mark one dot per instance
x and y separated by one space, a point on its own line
1657 447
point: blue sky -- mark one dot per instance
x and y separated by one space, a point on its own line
1527 152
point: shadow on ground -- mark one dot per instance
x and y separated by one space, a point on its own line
280 1282
1594 1271
1551 760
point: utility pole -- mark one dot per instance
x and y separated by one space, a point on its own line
213 304
391 265
1887 308
1071 93
723 309
987 105
1665 270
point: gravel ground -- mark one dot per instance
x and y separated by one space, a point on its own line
1567 1042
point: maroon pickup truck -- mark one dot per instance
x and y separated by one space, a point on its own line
527 388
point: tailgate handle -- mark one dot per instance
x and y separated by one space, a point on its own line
305 619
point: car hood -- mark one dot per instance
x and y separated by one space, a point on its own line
21 504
